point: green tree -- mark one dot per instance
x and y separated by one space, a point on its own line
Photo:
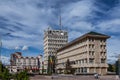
111 67
51 64
68 68
4 73
22 76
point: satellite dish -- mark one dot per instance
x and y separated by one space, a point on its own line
62 33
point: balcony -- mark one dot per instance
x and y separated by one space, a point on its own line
98 65
91 56
90 65
103 57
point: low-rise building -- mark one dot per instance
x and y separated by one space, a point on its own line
32 64
87 54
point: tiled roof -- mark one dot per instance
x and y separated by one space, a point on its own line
95 33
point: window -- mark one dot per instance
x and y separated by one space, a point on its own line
18 60
102 60
103 40
100 46
93 46
91 60
92 40
80 61
85 60
76 61
92 53
29 61
104 46
89 46
84 69
89 52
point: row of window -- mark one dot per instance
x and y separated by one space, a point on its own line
57 41
56 31
92 40
57 37
82 61
81 70
103 53
71 48
27 60
93 46
103 46
55 45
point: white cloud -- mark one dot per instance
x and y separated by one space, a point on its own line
32 17
81 9
110 25
25 48
17 48
82 26
74 34
113 48
5 60
75 15
115 11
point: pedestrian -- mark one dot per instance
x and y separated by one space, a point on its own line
96 76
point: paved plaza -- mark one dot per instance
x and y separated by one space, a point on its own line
80 77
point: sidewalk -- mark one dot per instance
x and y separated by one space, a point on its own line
60 77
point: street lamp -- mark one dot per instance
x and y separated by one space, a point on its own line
1 44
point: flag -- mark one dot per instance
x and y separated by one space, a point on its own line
51 60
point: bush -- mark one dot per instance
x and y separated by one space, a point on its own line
22 76
4 73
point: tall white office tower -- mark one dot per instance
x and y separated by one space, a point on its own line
53 40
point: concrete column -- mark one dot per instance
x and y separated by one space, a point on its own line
79 70
94 70
76 70
100 70
87 70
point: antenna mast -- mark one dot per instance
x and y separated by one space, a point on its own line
60 22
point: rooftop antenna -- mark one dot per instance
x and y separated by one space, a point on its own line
60 22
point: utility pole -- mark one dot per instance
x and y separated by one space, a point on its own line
1 45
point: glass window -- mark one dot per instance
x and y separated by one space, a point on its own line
91 60
102 60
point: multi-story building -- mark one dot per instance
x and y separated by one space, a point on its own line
87 54
18 62
53 40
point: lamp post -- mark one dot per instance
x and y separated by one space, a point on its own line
1 45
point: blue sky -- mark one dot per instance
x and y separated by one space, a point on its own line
26 20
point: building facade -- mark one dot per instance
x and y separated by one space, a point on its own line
53 40
118 66
87 54
32 64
